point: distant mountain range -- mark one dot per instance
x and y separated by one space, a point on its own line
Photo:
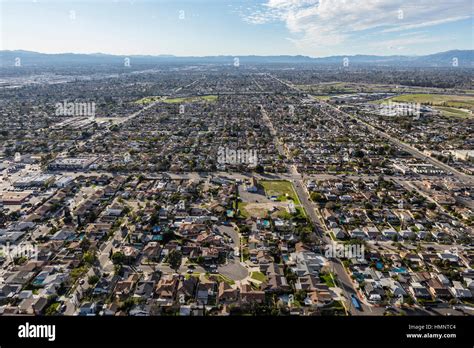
464 58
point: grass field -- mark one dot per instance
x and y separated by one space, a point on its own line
336 87
282 189
323 97
279 208
243 212
148 100
330 88
206 98
152 99
455 101
284 214
448 105
453 112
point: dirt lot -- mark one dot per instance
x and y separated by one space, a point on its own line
260 209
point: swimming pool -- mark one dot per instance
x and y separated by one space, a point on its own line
399 270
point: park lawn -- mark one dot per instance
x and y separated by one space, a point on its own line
243 212
453 112
206 98
449 105
281 188
455 101
323 97
210 98
148 100
330 87
258 276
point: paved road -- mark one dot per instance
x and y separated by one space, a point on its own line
281 150
342 277
308 206
347 286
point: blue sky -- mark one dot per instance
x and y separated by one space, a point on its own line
222 27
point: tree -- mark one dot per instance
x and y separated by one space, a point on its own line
300 296
317 197
174 259
358 153
118 258
409 301
89 257
259 169
93 279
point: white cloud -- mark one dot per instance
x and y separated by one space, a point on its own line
426 24
402 43
333 22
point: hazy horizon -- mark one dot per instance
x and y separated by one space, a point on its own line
224 55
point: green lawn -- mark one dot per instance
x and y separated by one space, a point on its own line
152 99
195 275
241 206
285 215
148 100
456 101
221 278
453 112
330 87
323 97
449 105
444 100
326 278
258 276
207 98
282 189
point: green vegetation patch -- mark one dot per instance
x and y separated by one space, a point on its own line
283 189
453 112
258 276
221 278
205 98
456 101
243 212
148 100
327 279
449 105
